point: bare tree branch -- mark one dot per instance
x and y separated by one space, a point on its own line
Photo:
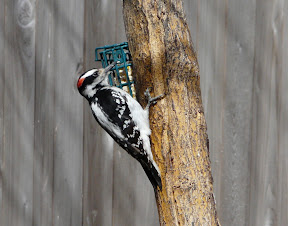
164 58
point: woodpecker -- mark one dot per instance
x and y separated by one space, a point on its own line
122 117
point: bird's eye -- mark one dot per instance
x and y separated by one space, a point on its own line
95 73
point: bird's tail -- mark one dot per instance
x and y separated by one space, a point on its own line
152 172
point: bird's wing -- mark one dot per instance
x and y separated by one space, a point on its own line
114 115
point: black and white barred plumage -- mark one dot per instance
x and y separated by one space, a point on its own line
122 117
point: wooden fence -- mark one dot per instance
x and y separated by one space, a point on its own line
57 167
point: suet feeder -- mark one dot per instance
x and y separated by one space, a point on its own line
122 74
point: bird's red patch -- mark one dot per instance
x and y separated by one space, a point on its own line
80 81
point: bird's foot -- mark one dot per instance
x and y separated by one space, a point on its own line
151 100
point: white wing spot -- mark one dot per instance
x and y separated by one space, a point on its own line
126 124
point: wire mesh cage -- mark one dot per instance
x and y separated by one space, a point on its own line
121 76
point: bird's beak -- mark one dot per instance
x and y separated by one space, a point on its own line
109 67
103 72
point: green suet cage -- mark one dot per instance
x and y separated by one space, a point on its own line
121 76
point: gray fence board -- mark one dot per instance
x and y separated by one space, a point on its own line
132 191
68 23
282 117
268 202
237 111
44 116
226 66
17 168
2 71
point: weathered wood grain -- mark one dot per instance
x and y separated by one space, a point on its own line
68 23
2 85
268 199
282 113
17 156
43 175
237 111
226 67
133 196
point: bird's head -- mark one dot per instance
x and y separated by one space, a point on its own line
89 81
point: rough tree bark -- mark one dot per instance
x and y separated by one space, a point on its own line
164 58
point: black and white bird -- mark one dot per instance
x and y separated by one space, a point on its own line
122 117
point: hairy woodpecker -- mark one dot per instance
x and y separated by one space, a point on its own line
122 117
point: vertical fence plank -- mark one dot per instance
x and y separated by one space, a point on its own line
44 116
133 198
226 67
17 168
238 108
98 145
2 82
269 135
68 135
282 113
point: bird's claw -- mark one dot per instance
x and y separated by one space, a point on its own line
151 100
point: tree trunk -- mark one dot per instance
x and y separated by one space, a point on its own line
164 58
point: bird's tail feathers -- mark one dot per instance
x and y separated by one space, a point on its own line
152 173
